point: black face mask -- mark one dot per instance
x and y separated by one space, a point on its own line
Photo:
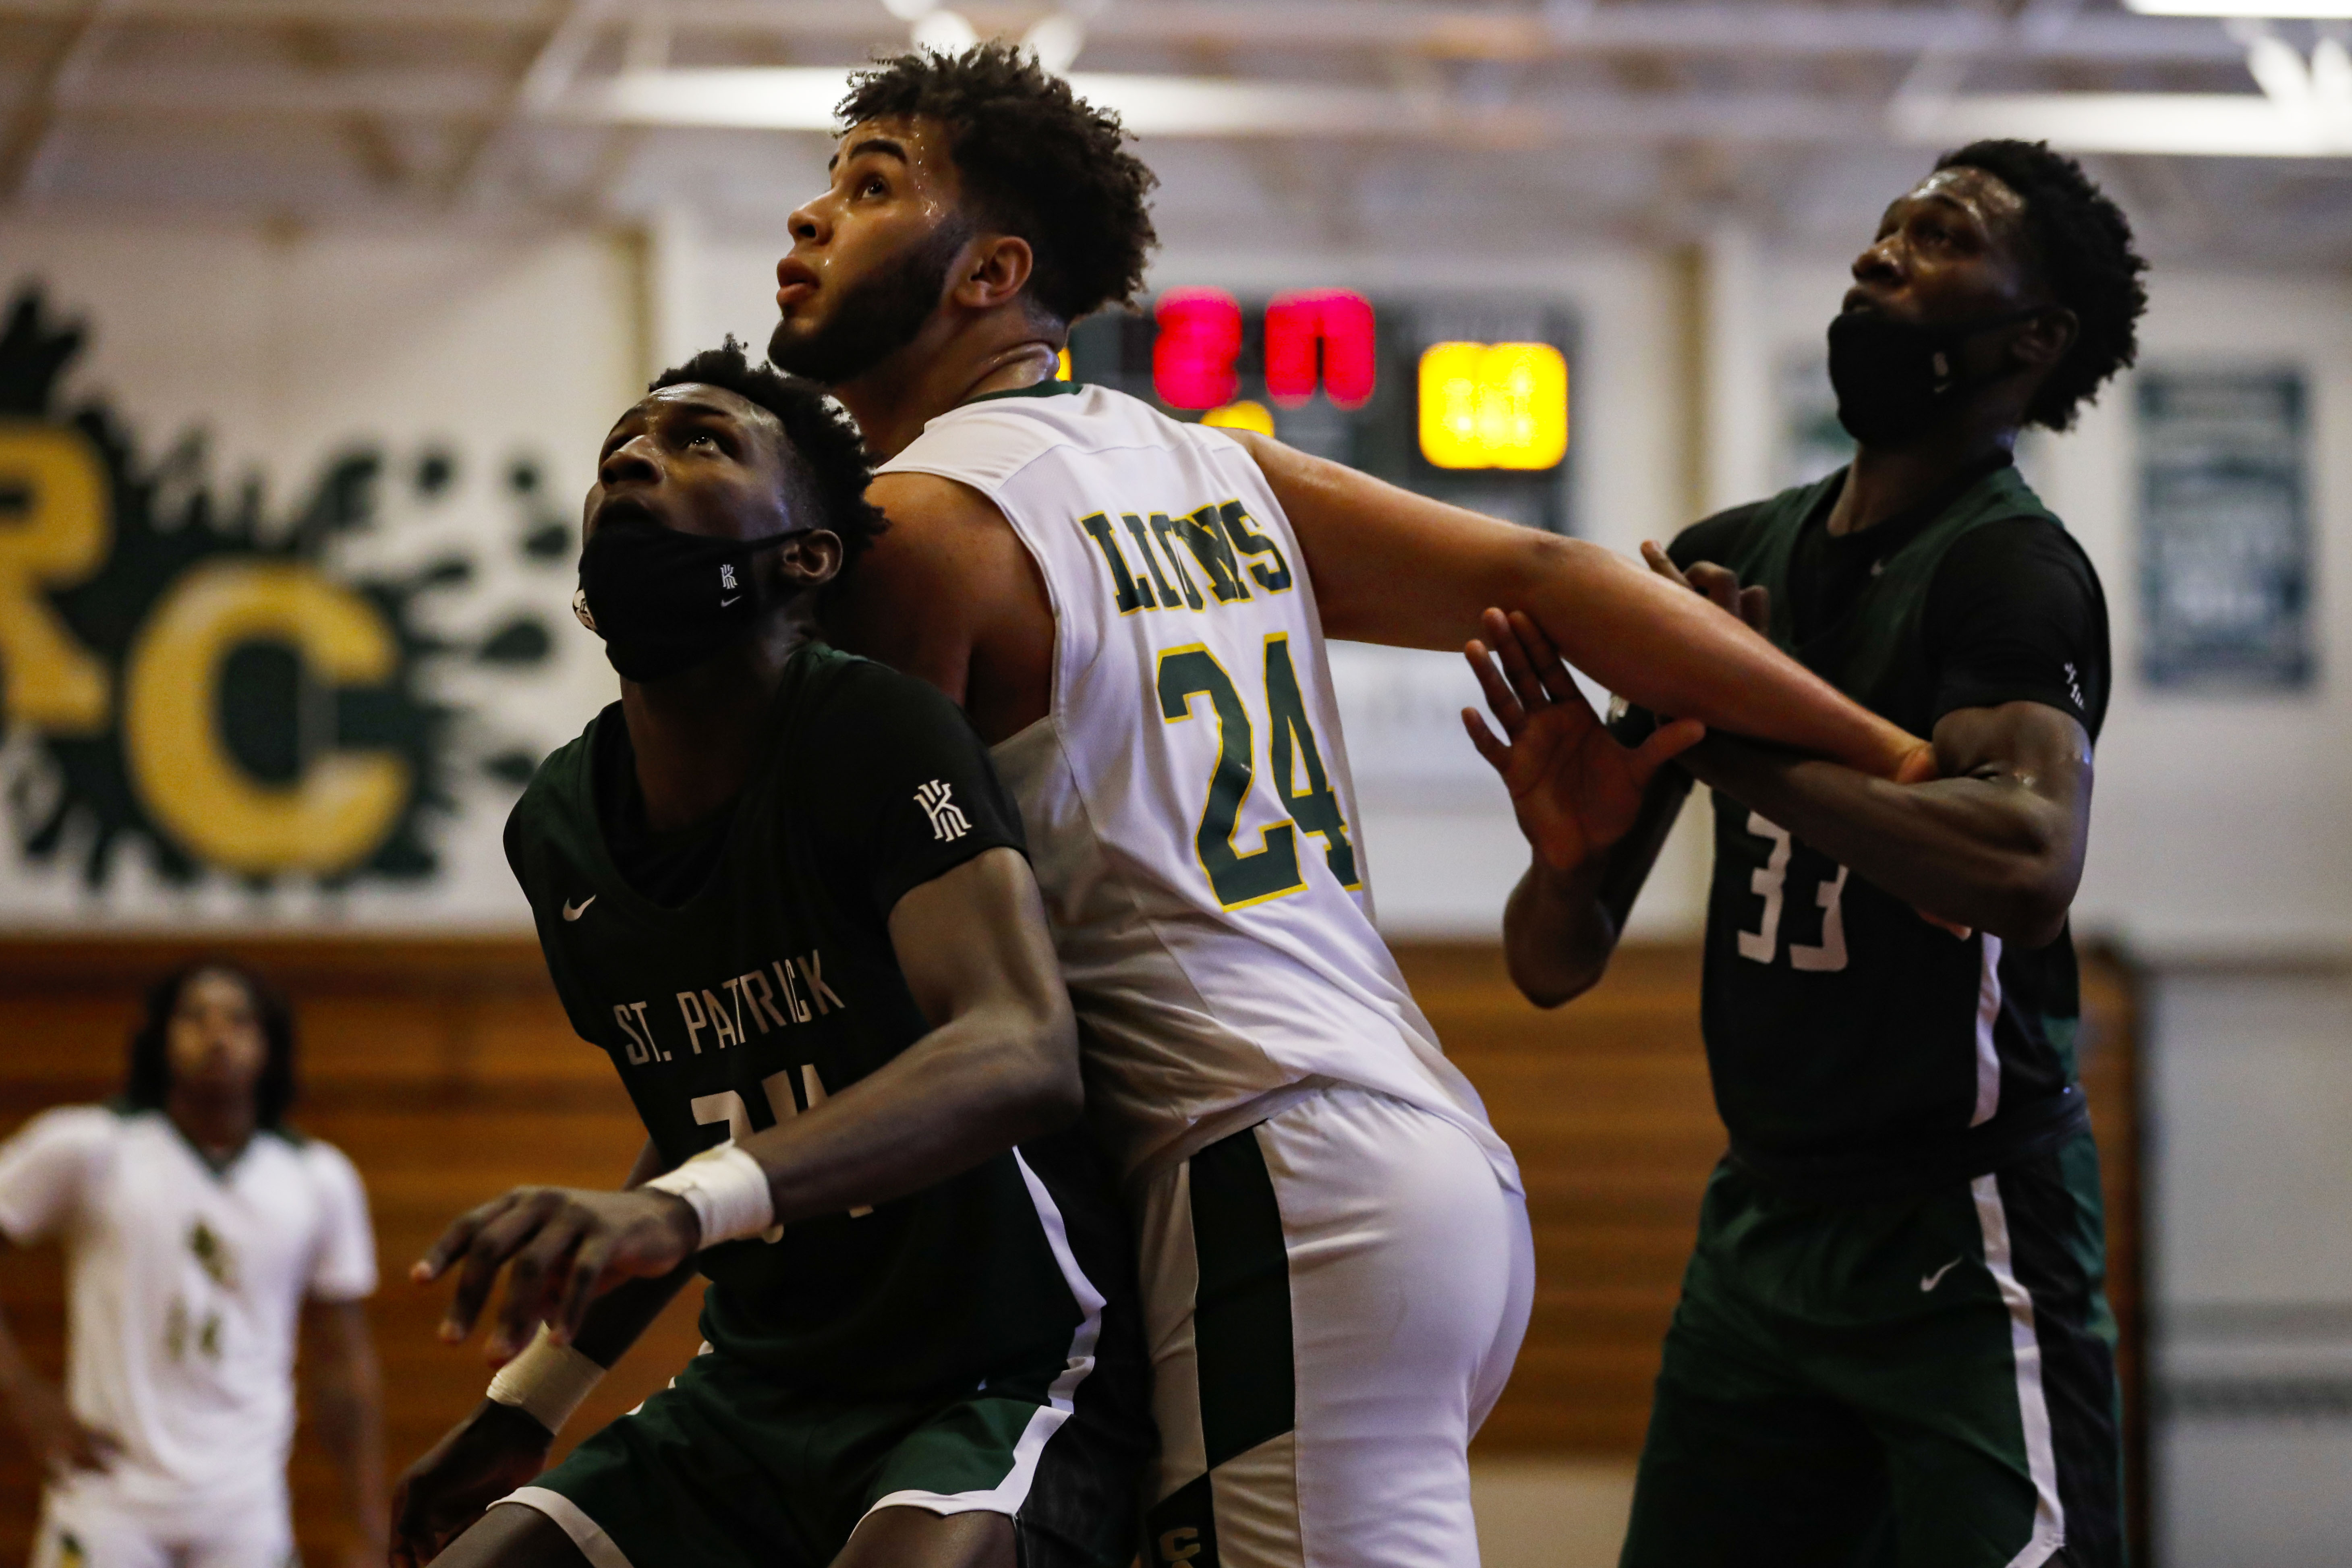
1894 379
665 601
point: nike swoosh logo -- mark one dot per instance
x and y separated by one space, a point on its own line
724 602
1929 1281
572 912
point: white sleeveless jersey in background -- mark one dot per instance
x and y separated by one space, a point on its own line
1187 797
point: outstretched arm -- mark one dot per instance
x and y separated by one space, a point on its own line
1393 567
1993 840
999 1065
1997 843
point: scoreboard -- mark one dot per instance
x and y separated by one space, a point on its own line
1464 399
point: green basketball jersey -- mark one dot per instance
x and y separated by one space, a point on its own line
776 985
1847 1036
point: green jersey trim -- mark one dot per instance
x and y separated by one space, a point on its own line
1047 388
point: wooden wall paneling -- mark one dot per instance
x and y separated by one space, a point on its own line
447 1072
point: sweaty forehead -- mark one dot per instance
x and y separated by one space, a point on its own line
698 400
1981 192
919 144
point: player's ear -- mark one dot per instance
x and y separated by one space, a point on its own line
810 560
2047 337
997 269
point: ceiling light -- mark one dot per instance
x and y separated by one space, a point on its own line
2260 10
801 97
2218 124
1055 40
943 32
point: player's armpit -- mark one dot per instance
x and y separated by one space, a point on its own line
950 595
1392 567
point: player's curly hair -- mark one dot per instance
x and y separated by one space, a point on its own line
836 463
148 1084
2084 243
1036 161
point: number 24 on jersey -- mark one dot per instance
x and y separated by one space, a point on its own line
1270 871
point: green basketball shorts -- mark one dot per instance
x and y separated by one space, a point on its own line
1920 1382
729 1468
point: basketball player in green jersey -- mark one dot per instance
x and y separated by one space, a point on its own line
1336 1257
1893 1345
782 887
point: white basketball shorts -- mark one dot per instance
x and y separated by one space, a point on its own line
1333 1299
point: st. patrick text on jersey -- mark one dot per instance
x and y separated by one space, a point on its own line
800 994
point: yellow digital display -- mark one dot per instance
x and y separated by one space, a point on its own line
1494 405
1249 414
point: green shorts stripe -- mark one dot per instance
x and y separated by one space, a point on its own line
1908 1382
1241 1314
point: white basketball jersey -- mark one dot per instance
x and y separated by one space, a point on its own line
1187 797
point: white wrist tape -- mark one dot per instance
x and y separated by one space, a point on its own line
546 1381
728 1192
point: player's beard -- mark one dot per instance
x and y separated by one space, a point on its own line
877 316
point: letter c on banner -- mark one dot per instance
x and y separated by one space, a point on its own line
54 530
344 802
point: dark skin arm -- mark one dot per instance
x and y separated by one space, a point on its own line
1997 843
1994 843
60 1444
998 1066
347 1406
497 1448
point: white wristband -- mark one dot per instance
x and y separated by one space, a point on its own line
546 1381
728 1192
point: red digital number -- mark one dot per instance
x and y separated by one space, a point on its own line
1341 323
1192 356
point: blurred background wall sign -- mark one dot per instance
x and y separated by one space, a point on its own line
297 685
2225 531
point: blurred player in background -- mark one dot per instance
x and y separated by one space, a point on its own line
1336 1256
1893 1343
198 1229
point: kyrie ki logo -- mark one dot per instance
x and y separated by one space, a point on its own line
948 820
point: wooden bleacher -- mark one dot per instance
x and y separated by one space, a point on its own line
446 1071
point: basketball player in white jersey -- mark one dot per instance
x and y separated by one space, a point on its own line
1336 1258
199 1232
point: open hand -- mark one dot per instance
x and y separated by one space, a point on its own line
1575 790
567 1247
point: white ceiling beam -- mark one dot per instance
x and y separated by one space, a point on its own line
2186 124
801 99
1771 29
